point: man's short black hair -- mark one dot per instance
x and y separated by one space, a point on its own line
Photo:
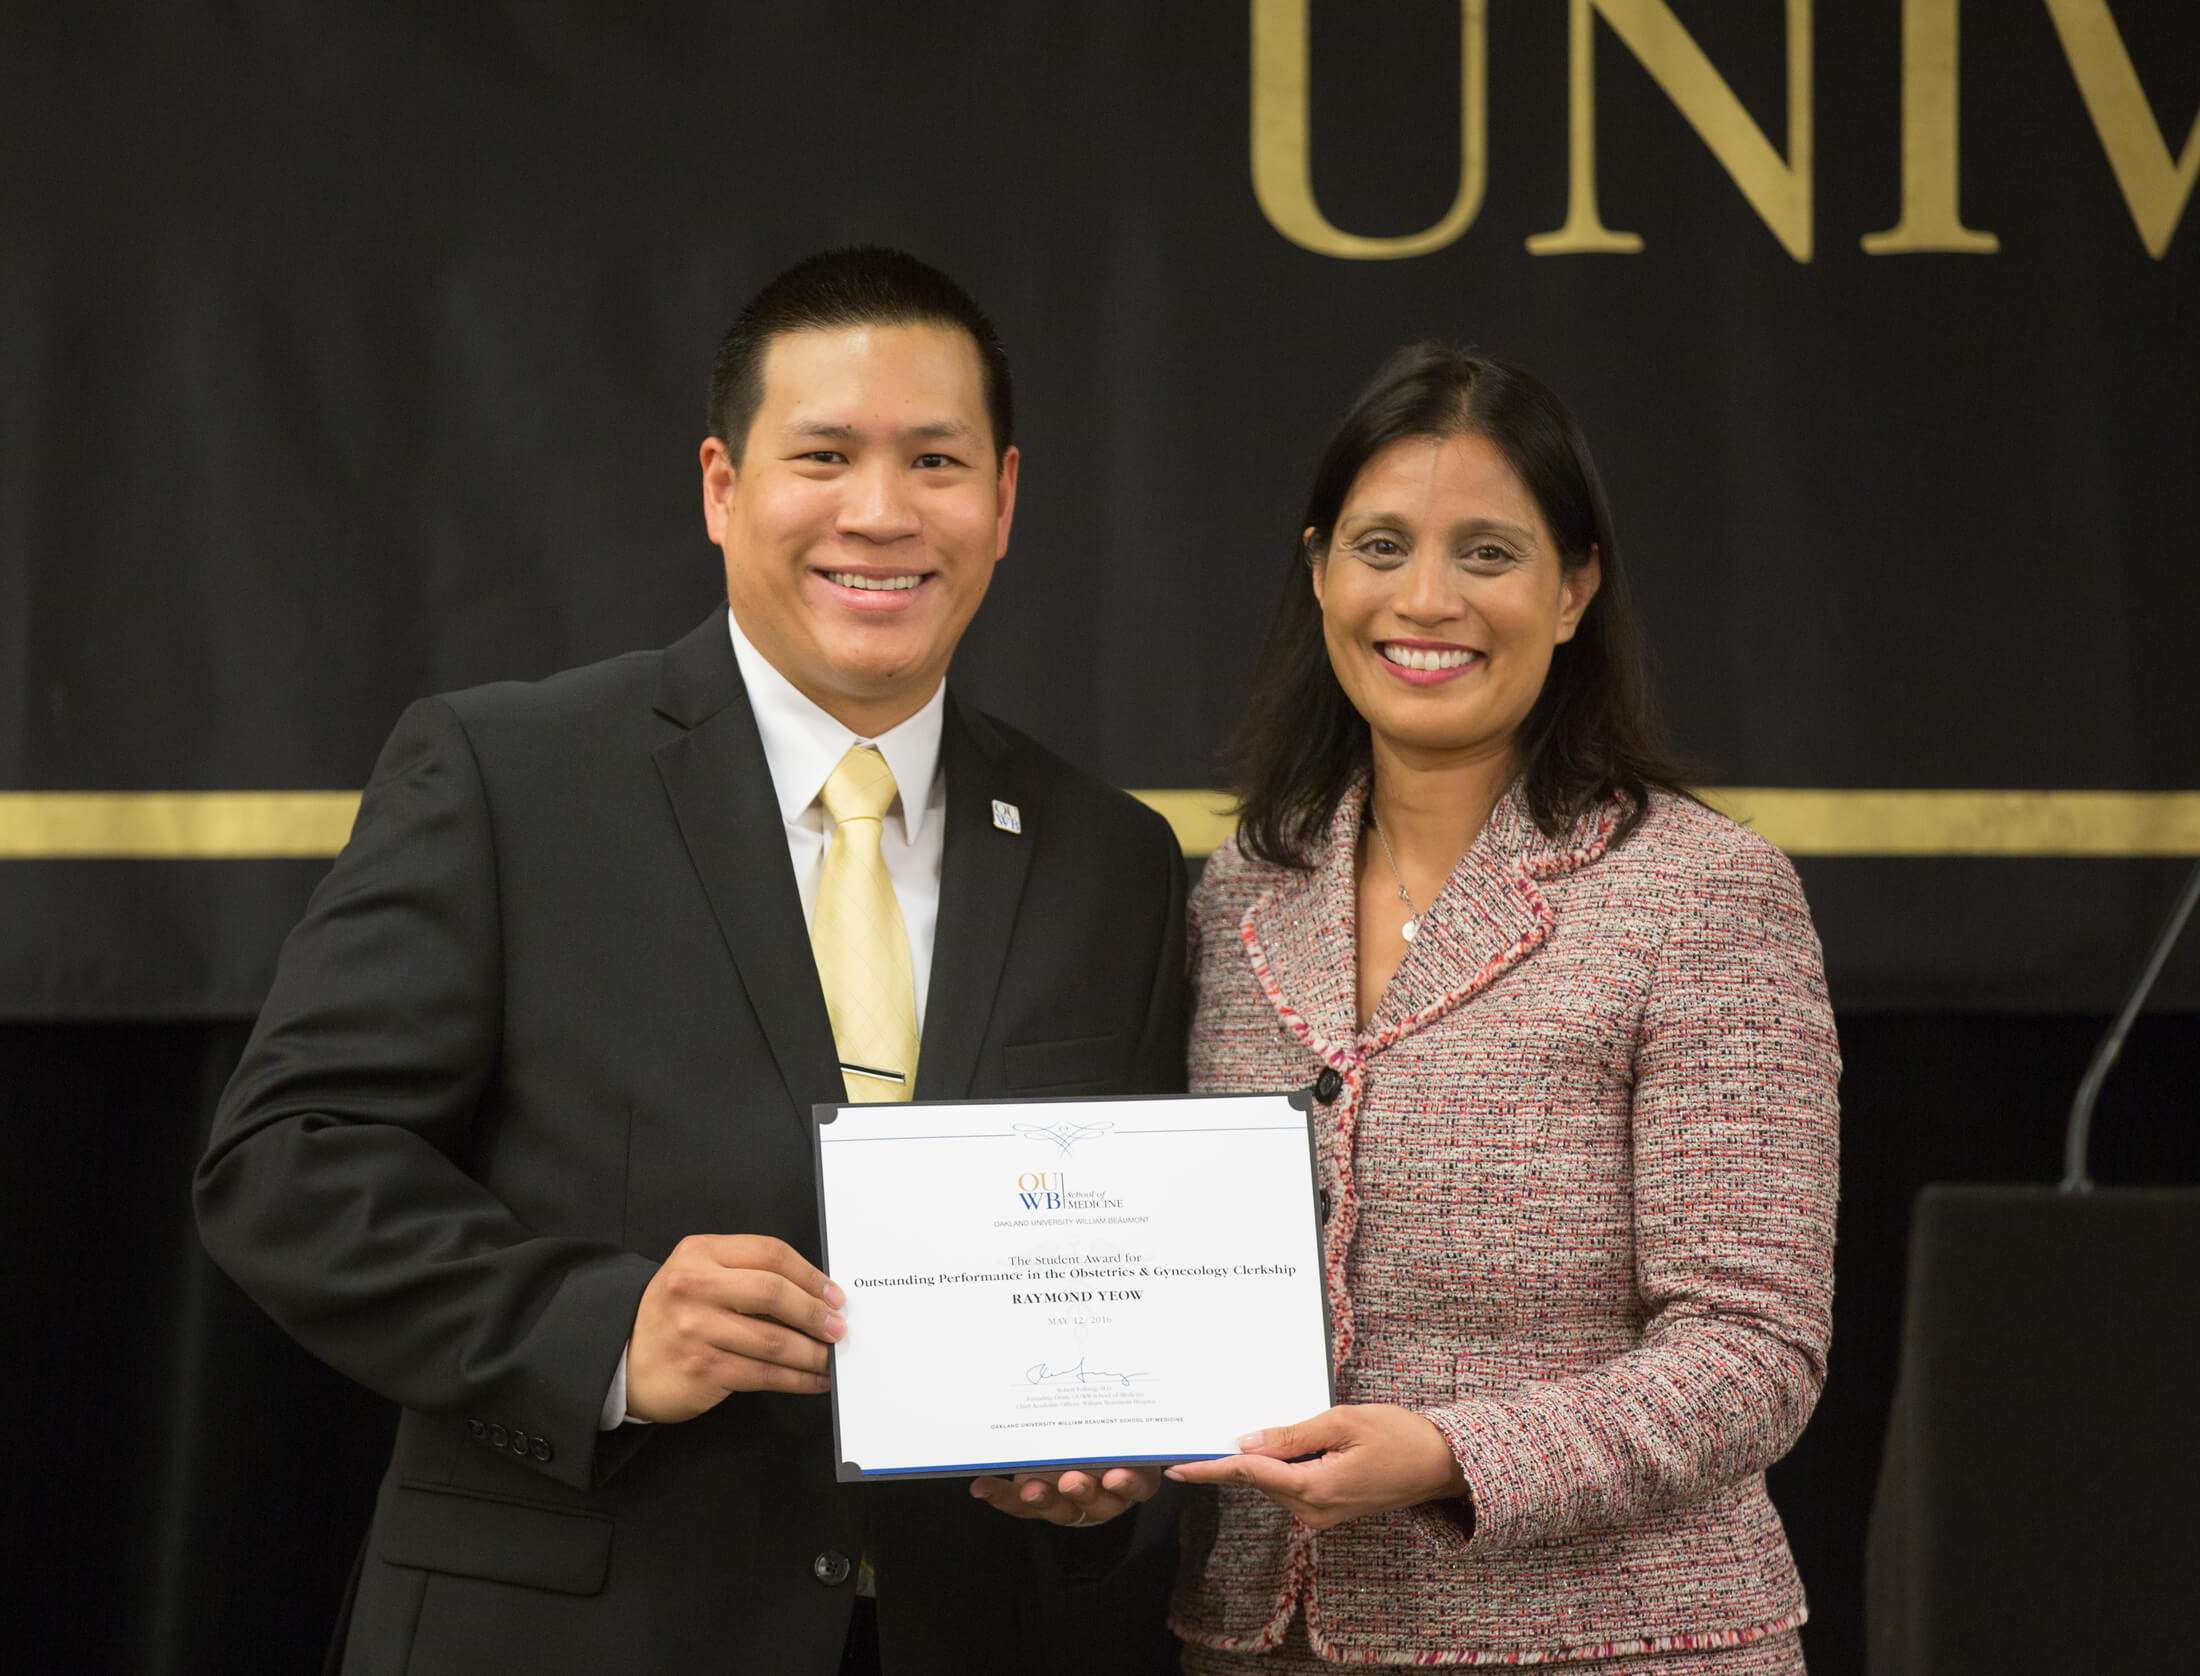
861 285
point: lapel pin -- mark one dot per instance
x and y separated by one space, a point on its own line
1007 816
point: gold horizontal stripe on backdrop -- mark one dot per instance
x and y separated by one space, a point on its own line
1878 823
174 825
240 825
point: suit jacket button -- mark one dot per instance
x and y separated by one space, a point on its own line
1328 1085
519 1443
830 1568
476 1430
498 1437
540 1448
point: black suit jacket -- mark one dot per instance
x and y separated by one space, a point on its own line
552 1010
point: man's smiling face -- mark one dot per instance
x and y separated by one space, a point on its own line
863 518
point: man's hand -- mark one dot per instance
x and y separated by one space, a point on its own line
1069 1498
1367 1458
729 1312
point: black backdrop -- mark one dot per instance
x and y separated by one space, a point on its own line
348 353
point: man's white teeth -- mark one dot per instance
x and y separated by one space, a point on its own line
875 584
1414 657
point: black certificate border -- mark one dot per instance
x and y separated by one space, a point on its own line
846 1471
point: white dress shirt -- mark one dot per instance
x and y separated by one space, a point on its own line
802 746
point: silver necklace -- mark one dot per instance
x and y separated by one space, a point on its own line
1412 927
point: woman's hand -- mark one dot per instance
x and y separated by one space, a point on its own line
1069 1498
1367 1458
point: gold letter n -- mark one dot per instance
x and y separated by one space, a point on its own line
1780 192
1283 176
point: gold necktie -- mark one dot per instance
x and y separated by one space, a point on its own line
861 946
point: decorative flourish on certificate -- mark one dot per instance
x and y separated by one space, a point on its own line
1064 1135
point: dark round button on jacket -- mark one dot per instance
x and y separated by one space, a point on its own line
1328 1085
498 1437
830 1568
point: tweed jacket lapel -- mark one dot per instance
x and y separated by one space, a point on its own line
1299 936
1491 914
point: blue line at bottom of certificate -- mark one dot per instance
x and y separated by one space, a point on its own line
1037 1466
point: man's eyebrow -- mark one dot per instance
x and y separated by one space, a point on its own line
939 430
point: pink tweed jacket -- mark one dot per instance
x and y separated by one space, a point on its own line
1582 1177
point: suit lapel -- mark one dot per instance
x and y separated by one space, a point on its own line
982 871
721 790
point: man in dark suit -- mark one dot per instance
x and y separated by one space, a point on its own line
522 1139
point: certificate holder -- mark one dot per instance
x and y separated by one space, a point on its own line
1040 1284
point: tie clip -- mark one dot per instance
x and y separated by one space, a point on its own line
867 1071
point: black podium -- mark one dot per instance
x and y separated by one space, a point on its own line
2039 1500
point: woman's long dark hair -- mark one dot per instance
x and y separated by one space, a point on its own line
1593 731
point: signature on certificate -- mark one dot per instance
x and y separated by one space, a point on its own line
1039 1373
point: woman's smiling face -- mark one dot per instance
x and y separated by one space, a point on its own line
1443 597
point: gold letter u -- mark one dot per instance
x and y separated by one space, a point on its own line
1283 175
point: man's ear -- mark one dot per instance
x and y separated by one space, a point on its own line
720 479
1578 584
1005 488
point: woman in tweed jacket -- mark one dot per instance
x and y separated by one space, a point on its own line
1579 1070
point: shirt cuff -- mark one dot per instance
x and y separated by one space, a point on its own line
614 1414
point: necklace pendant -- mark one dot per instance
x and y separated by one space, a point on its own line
1411 929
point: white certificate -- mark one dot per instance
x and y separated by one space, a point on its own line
1049 1283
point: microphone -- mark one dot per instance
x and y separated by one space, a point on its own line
2079 1131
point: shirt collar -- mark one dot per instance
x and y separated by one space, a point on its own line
803 743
